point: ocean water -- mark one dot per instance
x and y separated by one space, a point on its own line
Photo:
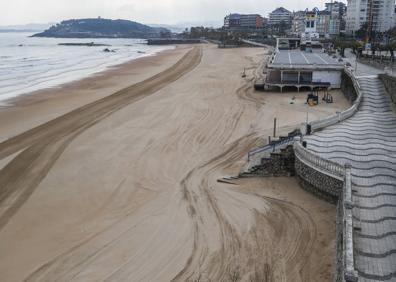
30 63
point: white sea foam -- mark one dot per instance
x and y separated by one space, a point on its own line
28 63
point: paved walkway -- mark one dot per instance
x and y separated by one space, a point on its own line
362 69
367 142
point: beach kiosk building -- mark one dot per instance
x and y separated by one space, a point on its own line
309 69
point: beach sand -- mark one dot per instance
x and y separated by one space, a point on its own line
27 111
125 187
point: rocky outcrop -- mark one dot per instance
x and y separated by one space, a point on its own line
102 28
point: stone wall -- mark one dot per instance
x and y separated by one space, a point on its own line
318 183
390 85
340 241
348 88
278 164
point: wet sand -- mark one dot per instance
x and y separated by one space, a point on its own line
125 188
27 111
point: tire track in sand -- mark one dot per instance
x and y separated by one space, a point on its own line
44 144
269 251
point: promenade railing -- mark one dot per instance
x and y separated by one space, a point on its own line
341 116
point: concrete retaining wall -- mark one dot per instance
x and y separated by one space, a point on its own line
390 85
348 88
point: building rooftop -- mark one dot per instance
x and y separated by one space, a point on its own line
290 59
237 16
280 10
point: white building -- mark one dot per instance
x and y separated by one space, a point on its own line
311 21
359 12
280 15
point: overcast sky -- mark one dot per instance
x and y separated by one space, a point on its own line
146 11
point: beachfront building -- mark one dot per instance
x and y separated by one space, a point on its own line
378 13
310 69
337 17
310 21
288 43
241 21
298 23
336 8
280 15
323 23
310 32
334 26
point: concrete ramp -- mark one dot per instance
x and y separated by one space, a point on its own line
253 43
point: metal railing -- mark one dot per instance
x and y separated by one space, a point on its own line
320 164
274 145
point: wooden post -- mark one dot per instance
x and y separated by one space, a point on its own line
274 127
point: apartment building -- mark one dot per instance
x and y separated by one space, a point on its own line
235 21
280 15
379 12
338 9
298 22
323 22
338 14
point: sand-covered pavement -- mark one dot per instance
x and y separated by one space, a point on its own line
125 188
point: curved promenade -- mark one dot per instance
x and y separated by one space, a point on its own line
367 142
